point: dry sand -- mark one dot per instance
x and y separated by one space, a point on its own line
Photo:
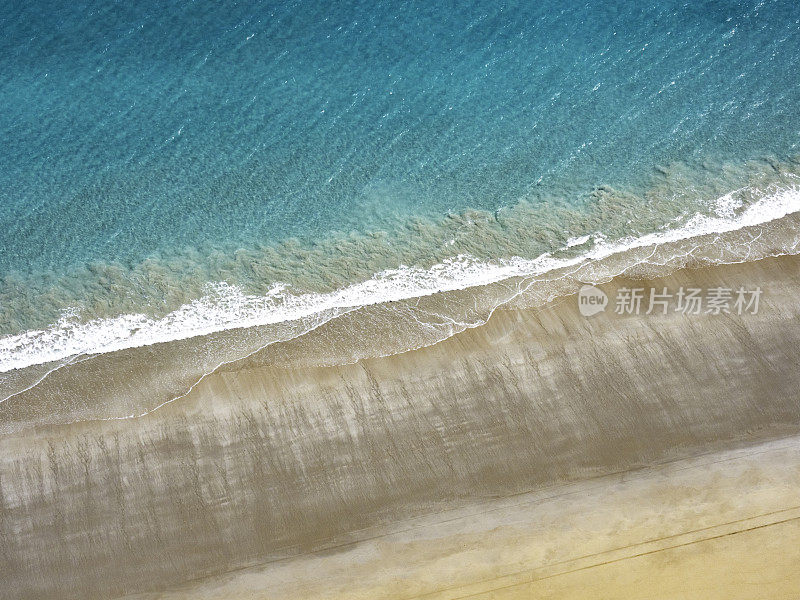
355 481
724 525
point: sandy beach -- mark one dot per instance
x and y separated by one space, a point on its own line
375 300
544 454
722 525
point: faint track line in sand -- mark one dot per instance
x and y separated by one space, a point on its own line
574 565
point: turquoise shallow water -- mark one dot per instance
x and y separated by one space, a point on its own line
152 148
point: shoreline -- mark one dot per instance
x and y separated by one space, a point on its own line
765 205
267 458
133 382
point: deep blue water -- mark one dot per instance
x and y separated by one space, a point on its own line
133 129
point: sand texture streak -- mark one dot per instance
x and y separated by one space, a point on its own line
543 454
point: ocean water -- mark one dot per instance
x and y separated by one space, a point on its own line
171 171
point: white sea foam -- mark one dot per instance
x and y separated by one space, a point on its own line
225 307
727 205
578 241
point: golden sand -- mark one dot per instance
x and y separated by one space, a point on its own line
543 454
723 525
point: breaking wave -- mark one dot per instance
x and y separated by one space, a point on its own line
226 307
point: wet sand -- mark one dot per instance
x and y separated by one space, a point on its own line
318 467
